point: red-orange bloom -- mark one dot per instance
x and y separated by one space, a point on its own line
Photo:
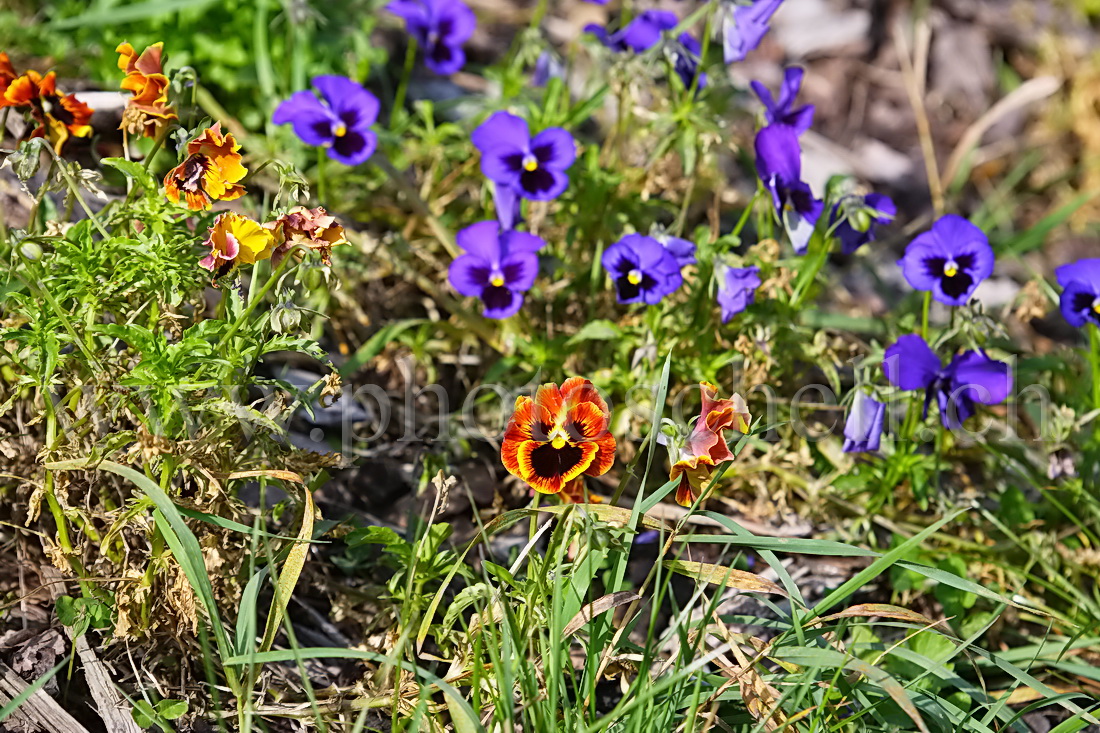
706 445
558 436
209 173
7 76
59 116
147 112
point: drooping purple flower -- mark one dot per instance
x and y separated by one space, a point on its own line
682 249
971 378
783 111
547 66
855 219
507 202
499 266
638 35
1080 301
950 260
863 430
534 167
744 26
686 57
736 289
779 165
643 271
339 121
440 27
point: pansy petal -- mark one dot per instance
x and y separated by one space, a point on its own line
863 429
554 148
500 302
1078 303
910 363
502 129
605 455
1086 271
585 421
778 154
481 239
523 419
469 275
312 121
543 184
548 469
989 381
355 106
354 147
455 21
514 242
520 270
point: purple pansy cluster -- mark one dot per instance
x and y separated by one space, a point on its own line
440 28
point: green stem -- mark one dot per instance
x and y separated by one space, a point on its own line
1094 363
321 154
254 301
402 88
924 314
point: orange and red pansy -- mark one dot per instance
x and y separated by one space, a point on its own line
7 76
209 173
147 112
705 446
558 436
59 116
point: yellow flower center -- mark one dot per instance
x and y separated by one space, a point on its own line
950 269
530 163
497 281
340 130
1096 305
634 277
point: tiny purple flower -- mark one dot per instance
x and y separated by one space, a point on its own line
440 27
783 112
682 249
1080 301
855 219
499 266
686 57
547 66
971 378
863 430
950 260
643 271
340 121
639 35
779 165
744 26
736 289
534 167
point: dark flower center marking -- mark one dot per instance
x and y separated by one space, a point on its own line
1088 305
536 181
954 276
496 297
194 168
550 462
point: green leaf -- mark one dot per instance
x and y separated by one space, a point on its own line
116 14
171 709
598 330
134 171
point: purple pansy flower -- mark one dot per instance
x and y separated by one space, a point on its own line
855 219
744 26
682 249
643 271
1080 301
686 57
340 121
507 203
779 164
783 111
638 35
499 266
863 430
971 378
950 260
440 27
534 167
736 289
